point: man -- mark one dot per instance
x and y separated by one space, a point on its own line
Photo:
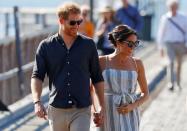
70 60
130 16
172 34
87 27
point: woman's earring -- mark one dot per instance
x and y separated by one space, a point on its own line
118 50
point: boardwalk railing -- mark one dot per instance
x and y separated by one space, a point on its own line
34 17
9 86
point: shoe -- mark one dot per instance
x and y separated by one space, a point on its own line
170 87
179 86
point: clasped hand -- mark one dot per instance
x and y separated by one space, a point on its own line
98 118
124 109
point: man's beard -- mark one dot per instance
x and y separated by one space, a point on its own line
71 33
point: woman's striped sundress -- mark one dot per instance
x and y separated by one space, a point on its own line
120 87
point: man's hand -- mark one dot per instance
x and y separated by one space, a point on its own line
99 118
40 110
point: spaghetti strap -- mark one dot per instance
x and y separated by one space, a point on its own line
135 63
106 62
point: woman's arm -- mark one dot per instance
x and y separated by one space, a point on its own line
143 87
142 83
102 62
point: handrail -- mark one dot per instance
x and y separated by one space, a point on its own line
13 72
27 67
30 10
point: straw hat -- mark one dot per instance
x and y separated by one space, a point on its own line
85 8
107 9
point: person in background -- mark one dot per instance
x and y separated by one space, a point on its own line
76 62
121 73
130 16
87 27
172 34
104 26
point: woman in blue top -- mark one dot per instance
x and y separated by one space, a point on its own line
104 26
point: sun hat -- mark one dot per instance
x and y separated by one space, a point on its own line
106 9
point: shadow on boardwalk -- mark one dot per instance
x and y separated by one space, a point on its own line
168 112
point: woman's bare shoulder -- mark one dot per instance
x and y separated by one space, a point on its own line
138 60
139 63
102 61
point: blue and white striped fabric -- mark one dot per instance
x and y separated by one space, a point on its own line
120 87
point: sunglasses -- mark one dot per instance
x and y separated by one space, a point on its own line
74 22
132 44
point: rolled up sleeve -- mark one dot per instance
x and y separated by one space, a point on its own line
95 70
39 69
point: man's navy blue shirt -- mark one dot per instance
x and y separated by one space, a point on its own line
69 70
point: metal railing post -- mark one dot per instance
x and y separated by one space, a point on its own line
44 23
37 18
18 51
6 24
91 9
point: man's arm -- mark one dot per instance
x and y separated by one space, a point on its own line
161 32
97 80
99 116
99 89
160 35
36 89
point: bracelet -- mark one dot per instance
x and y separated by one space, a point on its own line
36 102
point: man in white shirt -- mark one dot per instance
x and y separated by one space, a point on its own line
172 35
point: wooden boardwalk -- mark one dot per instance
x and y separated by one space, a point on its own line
168 112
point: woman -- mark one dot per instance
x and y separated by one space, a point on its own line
121 72
104 26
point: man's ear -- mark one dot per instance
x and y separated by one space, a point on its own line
61 20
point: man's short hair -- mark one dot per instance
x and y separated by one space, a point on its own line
67 8
169 3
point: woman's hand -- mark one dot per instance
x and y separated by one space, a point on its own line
124 109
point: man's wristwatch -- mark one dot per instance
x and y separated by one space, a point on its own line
36 102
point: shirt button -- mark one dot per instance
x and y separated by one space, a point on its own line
68 84
68 74
68 62
69 94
